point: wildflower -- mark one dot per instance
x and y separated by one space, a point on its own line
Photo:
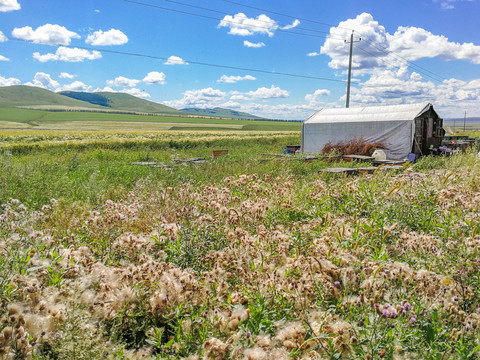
467 326
413 319
337 283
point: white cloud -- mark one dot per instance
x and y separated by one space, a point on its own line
137 92
175 60
313 53
123 82
202 98
110 37
253 45
449 4
268 93
373 51
75 86
242 25
46 34
64 75
105 89
44 81
3 38
9 5
68 55
3 58
374 40
97 11
293 25
415 43
233 79
8 81
155 77
261 93
314 99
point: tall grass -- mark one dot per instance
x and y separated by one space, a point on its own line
236 258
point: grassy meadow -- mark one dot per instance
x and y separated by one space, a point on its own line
234 258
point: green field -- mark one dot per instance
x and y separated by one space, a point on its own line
111 247
50 120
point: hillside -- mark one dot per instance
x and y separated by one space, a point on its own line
22 95
223 113
122 101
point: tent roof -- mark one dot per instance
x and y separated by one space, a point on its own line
369 114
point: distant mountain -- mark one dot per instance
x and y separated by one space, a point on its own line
22 95
122 101
223 113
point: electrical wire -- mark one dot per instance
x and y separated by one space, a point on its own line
227 21
388 62
419 68
155 57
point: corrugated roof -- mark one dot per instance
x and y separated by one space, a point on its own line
369 114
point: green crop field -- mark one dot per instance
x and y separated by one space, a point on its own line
74 120
112 246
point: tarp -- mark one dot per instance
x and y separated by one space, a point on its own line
394 126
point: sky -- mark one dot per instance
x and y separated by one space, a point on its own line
281 59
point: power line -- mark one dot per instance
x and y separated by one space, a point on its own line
390 63
155 57
388 53
217 19
226 14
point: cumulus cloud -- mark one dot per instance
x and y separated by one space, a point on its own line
64 75
2 37
137 92
415 43
374 41
44 81
68 55
75 86
123 82
3 58
105 89
233 79
9 81
315 98
273 92
291 26
9 5
46 34
240 24
202 98
373 51
110 37
155 77
253 45
175 60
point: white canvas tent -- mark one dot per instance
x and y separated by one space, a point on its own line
394 126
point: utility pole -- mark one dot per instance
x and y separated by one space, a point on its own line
350 67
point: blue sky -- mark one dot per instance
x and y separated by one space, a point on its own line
278 59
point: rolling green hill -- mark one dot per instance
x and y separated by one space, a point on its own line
22 95
122 101
223 113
